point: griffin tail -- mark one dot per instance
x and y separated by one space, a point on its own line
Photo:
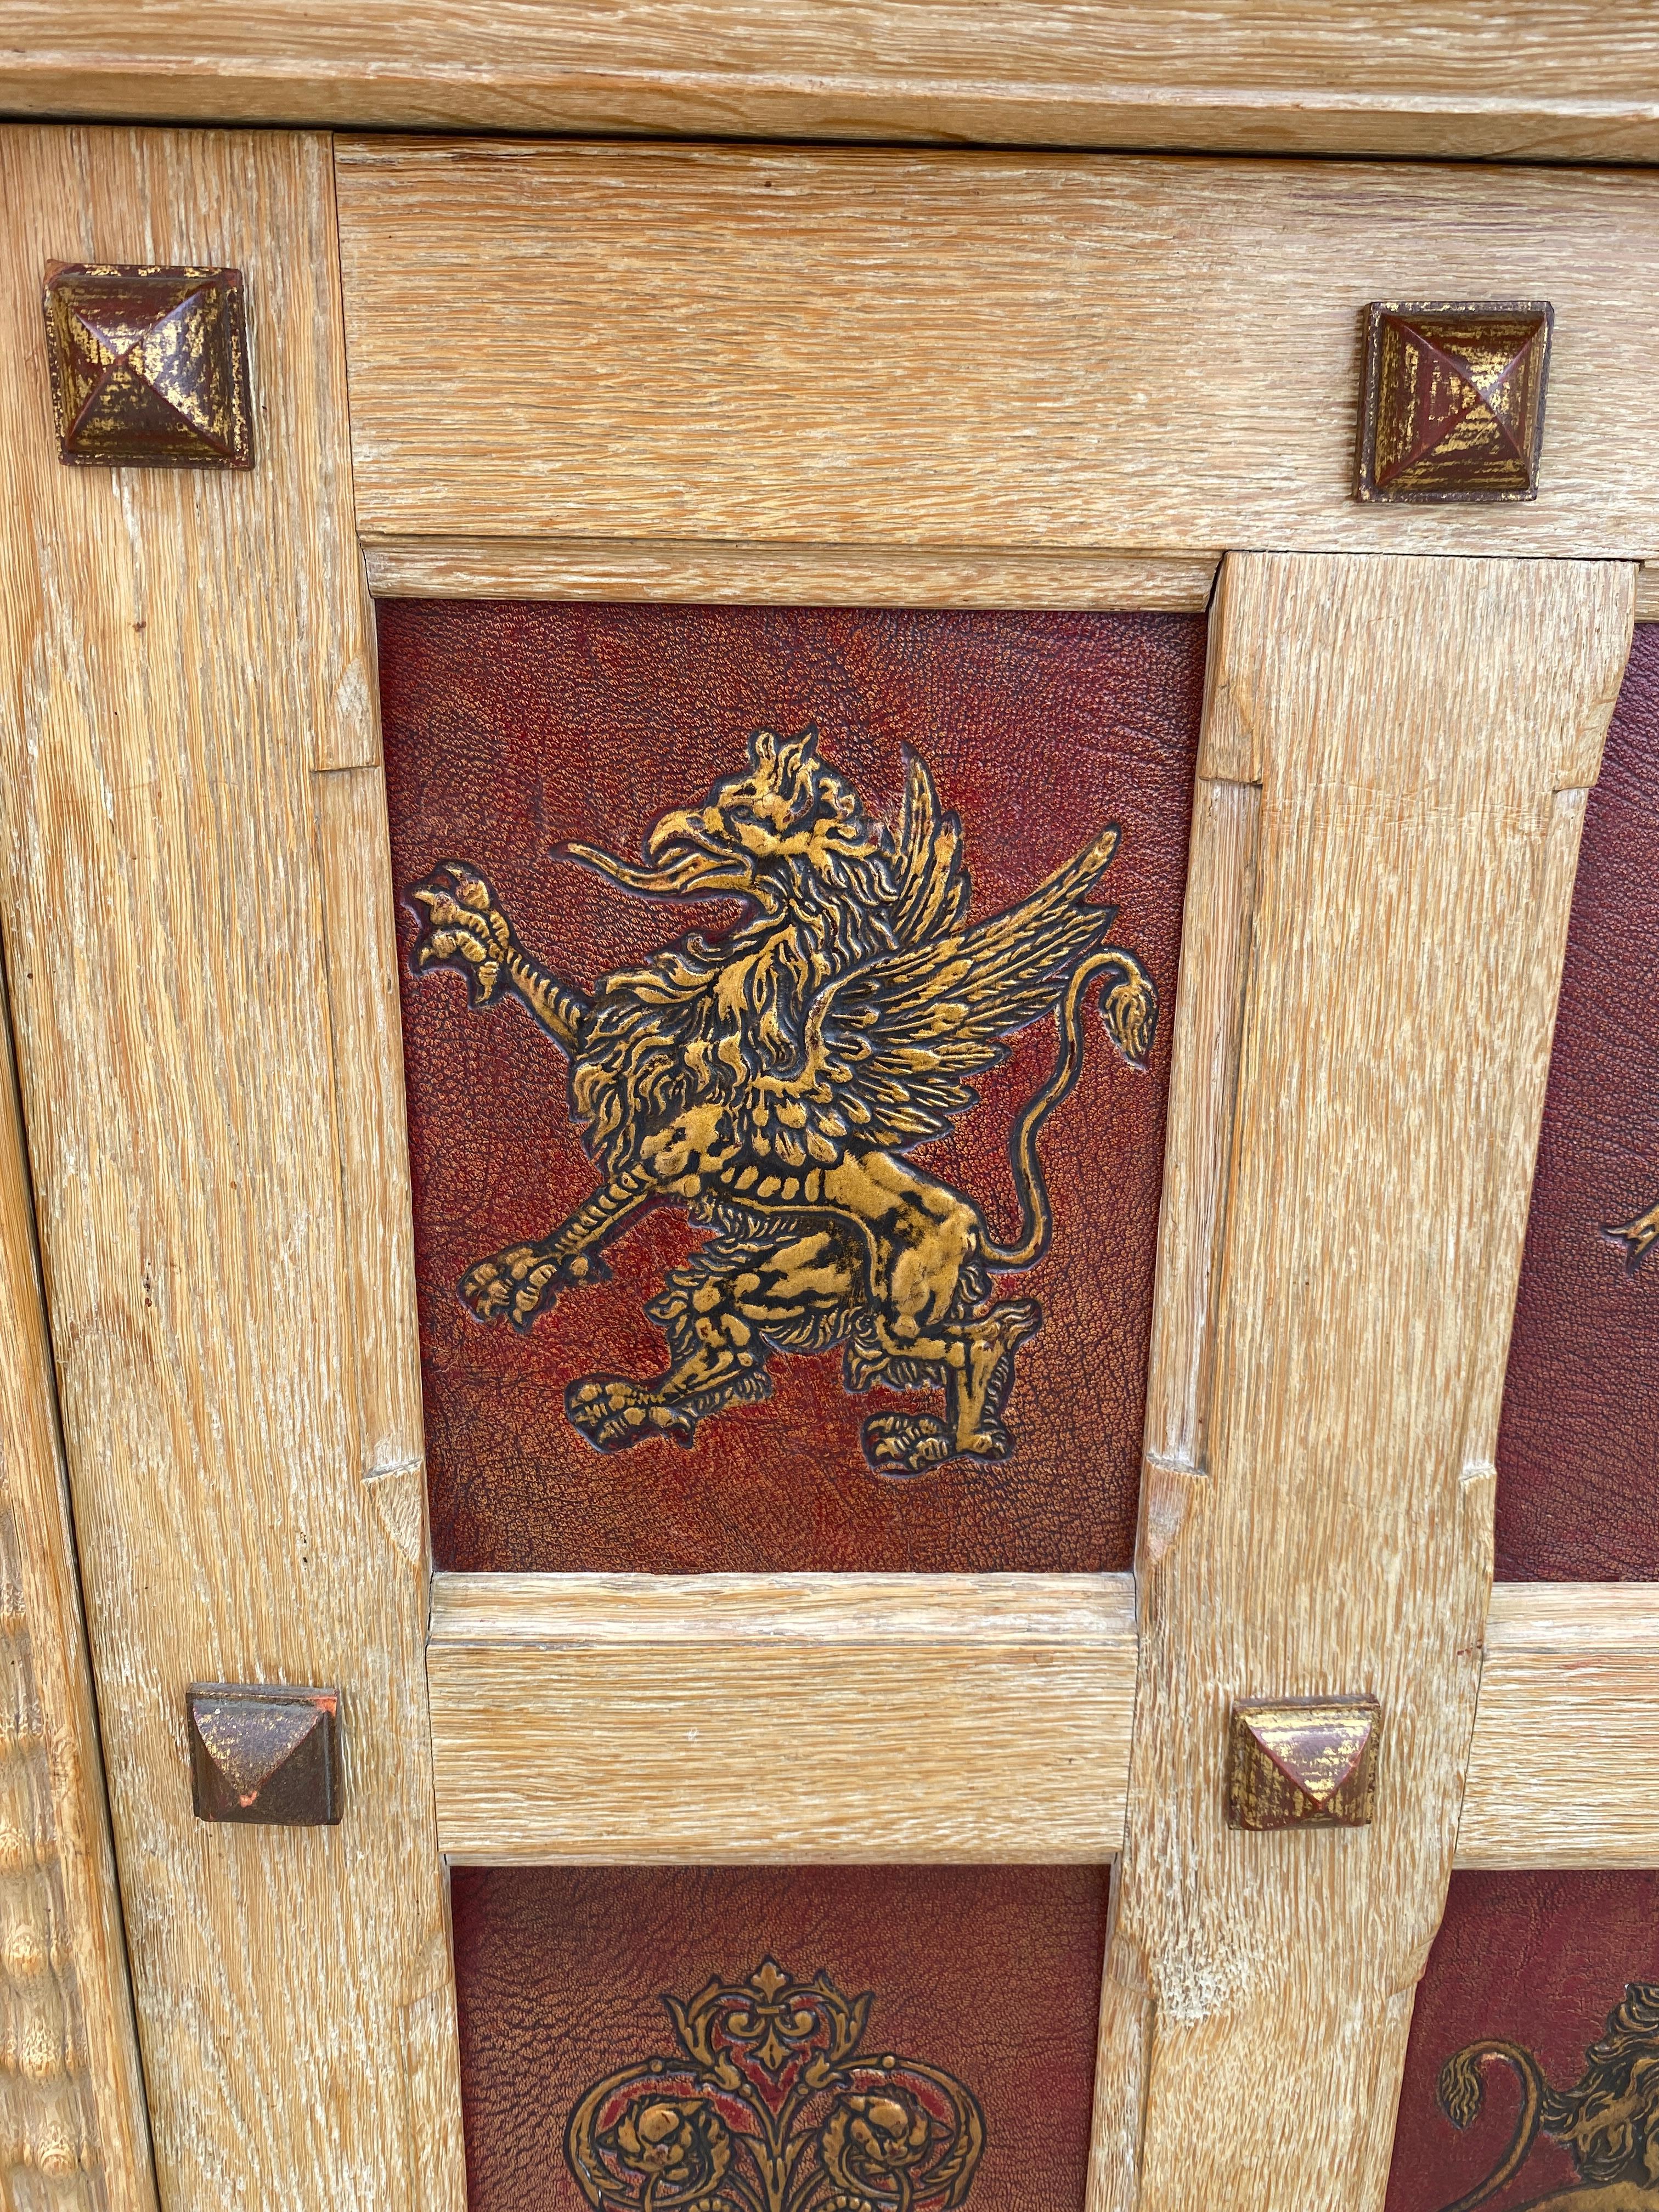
1462 2090
1129 1011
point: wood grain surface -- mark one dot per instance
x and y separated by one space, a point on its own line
784 575
1316 1506
1553 80
1568 1720
675 1718
73 2136
782 1718
994 352
209 1078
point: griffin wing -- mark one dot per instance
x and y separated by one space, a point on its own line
901 1035
932 893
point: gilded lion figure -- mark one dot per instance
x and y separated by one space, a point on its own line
772 1079
1609 2120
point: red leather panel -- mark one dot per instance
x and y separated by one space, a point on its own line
512 729
1537 1962
989 1974
1579 1441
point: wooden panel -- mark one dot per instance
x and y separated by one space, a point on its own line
73 2133
993 1718
783 576
206 1078
1569 1710
1316 1509
983 351
722 1717
1562 81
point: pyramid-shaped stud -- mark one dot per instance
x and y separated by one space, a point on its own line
1453 404
150 367
264 1753
1303 1763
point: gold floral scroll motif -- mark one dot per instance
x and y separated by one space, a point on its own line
771 2104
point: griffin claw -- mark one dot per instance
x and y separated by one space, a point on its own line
900 1445
524 1282
613 1411
1636 1238
462 928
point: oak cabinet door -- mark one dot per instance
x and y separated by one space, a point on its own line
807 1180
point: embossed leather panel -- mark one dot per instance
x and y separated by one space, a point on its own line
987 1976
512 730
1579 1440
1540 1999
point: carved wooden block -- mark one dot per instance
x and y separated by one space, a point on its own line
1303 1763
150 367
266 1753
1452 404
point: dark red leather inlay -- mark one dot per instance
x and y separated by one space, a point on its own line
990 1974
512 729
1524 1976
1578 1448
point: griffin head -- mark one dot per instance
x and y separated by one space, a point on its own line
788 819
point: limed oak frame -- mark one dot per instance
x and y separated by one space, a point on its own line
1553 81
211 1073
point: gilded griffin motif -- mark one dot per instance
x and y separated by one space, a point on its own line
773 1078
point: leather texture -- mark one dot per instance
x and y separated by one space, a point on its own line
991 1973
510 729
1539 1961
1579 1438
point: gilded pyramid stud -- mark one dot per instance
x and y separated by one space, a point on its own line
150 367
1452 404
1303 1763
264 1753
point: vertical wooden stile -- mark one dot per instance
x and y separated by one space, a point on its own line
1392 780
73 2137
197 912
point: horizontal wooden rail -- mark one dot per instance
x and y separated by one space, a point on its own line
687 347
1566 1737
746 575
890 1717
1562 83
774 1717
